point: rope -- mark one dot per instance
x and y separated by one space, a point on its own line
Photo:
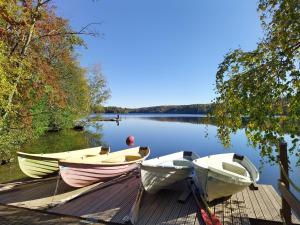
56 187
135 210
297 188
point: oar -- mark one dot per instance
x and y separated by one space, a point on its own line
209 218
134 212
204 215
215 220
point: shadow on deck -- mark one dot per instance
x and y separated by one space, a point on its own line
111 203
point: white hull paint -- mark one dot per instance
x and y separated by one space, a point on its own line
161 172
222 175
154 179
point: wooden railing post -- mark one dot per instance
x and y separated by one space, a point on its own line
283 157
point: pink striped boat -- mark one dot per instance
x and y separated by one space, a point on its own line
81 172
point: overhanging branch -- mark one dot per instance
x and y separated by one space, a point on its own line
83 31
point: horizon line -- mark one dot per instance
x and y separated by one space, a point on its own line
158 105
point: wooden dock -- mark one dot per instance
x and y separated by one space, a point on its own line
111 203
10 215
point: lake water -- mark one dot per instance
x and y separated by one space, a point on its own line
163 133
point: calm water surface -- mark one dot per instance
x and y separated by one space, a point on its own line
164 134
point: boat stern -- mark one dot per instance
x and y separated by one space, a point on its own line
35 166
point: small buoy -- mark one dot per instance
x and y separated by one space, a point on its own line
130 140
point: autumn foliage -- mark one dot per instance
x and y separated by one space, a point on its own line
42 85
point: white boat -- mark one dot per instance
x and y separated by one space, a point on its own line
160 172
223 175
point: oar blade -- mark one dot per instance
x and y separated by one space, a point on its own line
206 217
215 220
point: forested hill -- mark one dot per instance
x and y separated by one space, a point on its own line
181 109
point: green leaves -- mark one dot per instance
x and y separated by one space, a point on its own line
99 92
263 85
42 85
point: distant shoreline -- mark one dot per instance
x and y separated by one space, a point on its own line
163 109
153 113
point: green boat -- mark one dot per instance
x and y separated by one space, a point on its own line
41 165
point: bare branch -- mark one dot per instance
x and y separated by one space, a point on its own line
83 31
88 25
68 33
44 2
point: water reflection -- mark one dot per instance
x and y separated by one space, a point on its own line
51 142
66 140
193 120
164 134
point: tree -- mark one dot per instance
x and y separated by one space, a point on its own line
262 86
99 92
41 82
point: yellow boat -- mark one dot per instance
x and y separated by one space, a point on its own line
41 165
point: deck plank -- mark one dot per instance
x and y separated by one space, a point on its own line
112 203
274 193
271 196
102 204
111 211
273 207
147 202
126 189
125 208
249 207
260 200
242 208
162 203
89 201
182 216
150 208
106 210
172 217
167 211
278 199
235 211
95 202
40 195
10 215
193 215
256 207
219 211
227 212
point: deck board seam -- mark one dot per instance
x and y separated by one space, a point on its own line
265 211
274 213
243 194
77 204
165 205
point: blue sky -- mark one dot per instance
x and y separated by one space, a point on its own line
157 52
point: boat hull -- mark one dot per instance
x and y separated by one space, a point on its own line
216 186
156 178
42 165
37 167
80 175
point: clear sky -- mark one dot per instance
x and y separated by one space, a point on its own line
157 52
